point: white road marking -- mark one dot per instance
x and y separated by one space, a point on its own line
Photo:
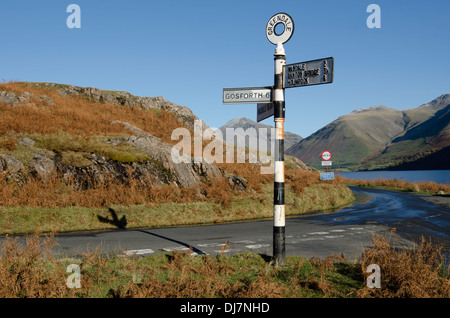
254 246
311 239
177 248
224 251
243 242
195 253
139 252
211 245
319 233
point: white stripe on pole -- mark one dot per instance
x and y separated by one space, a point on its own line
279 171
279 215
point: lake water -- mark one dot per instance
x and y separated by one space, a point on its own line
439 176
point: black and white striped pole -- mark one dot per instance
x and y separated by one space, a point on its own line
279 250
279 30
275 36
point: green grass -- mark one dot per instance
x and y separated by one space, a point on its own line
408 189
74 148
20 220
242 275
64 142
30 270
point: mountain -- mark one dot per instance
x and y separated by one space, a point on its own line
379 136
437 160
252 129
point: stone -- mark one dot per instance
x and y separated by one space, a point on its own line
42 167
26 141
12 167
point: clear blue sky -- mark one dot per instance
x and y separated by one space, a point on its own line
188 51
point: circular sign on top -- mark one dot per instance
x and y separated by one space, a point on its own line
326 155
280 28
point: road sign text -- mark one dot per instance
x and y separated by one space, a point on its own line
247 95
308 73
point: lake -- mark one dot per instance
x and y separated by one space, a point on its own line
439 176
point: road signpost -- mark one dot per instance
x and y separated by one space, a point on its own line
326 161
325 155
271 102
327 176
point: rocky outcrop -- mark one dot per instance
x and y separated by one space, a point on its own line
95 169
12 168
42 166
13 99
126 99
87 168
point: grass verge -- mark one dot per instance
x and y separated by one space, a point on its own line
30 270
28 219
430 187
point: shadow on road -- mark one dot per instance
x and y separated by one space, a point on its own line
193 248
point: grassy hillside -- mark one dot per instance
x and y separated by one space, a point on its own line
65 162
378 137
425 161
351 138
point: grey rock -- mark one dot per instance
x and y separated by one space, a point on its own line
184 174
10 163
12 99
47 100
26 141
234 181
130 127
42 166
9 98
12 167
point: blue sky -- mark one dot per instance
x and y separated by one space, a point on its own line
188 51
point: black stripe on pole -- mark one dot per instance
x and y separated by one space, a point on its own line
278 193
279 245
278 109
278 80
278 83
279 150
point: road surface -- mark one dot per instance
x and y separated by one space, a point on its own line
347 231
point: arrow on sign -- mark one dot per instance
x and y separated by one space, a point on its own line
309 73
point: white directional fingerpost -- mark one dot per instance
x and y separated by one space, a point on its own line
279 210
270 102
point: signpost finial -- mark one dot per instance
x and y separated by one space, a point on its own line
276 36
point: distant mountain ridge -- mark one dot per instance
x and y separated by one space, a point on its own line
379 136
242 122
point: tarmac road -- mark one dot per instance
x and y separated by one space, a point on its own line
347 231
